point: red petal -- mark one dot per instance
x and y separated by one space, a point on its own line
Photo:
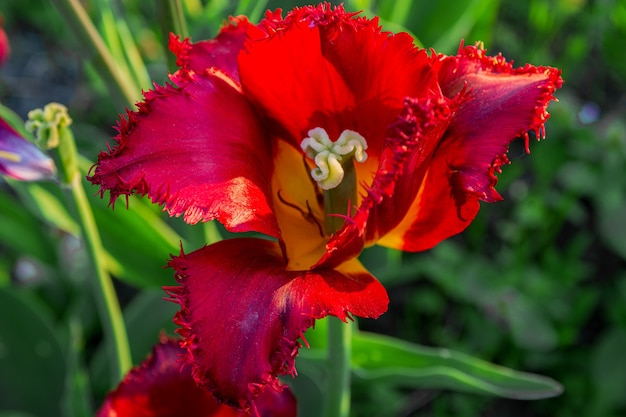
500 104
321 67
199 150
5 46
505 103
242 312
220 52
162 387
276 404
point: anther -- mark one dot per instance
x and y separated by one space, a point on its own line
330 156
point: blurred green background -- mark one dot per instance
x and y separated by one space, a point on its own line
537 282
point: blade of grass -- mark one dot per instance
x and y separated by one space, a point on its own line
252 9
77 18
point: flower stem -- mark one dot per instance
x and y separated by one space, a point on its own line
53 123
338 201
171 18
107 302
339 352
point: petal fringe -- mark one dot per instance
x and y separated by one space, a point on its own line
163 387
506 103
219 53
498 104
323 67
198 150
242 313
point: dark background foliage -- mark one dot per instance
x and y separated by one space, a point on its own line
537 282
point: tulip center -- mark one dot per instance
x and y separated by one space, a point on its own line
334 170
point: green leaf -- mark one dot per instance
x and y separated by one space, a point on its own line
31 357
22 232
459 17
608 369
15 122
77 399
138 240
46 202
146 316
392 361
529 327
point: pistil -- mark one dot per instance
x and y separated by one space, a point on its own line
334 171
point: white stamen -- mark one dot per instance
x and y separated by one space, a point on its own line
328 155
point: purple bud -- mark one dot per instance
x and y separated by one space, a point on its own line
20 159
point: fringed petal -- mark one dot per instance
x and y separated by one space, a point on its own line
242 312
162 387
219 53
323 67
505 104
198 150
500 103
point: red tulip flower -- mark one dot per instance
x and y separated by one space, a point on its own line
325 134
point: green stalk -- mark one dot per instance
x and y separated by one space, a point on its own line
254 10
337 201
76 16
171 18
339 353
340 199
106 299
177 17
400 11
51 127
211 232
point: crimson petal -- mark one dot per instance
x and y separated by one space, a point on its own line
501 103
162 387
220 52
242 312
197 149
323 67
505 104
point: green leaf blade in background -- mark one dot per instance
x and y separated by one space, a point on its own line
32 359
385 359
138 240
23 233
146 317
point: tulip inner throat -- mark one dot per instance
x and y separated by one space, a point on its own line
334 171
338 200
